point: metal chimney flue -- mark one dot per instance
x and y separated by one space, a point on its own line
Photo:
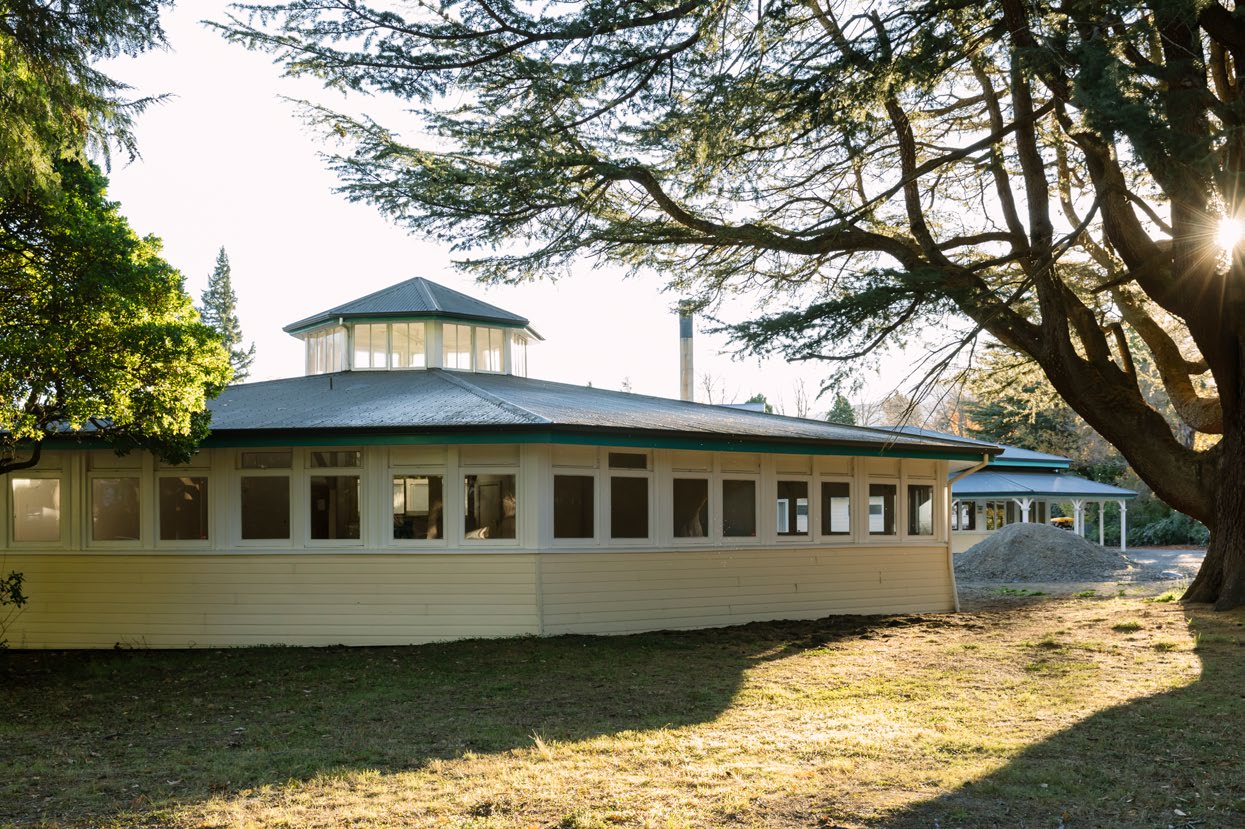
687 377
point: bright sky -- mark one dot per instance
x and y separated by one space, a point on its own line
226 161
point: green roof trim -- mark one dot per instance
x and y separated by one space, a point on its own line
1039 464
348 320
582 439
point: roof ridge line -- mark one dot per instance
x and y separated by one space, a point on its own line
426 291
467 385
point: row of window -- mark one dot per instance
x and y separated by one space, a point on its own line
489 504
403 345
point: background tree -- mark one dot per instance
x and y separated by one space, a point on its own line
760 399
220 313
55 103
1050 175
842 411
96 330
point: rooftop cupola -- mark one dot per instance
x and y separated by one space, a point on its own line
415 324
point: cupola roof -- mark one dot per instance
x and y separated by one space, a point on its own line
417 298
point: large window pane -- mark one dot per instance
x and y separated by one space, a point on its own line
363 346
456 346
265 507
183 509
628 507
691 508
380 345
739 509
518 355
114 509
36 509
792 508
418 506
407 345
573 506
836 508
488 349
964 516
334 506
490 506
920 509
882 508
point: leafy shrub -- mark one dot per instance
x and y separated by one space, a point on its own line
1176 528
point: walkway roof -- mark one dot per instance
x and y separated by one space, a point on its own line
990 483
1012 456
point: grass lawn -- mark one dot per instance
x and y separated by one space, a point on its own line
1024 711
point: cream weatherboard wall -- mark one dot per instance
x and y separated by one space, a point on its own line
223 590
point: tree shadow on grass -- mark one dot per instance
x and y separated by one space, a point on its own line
1174 759
87 735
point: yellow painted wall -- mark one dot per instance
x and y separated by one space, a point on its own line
621 593
202 600
96 601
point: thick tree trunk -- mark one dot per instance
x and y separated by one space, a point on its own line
1222 577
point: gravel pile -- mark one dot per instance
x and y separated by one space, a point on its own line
1042 553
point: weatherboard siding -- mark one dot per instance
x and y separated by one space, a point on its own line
96 601
159 601
631 592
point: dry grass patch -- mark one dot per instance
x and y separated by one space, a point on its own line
1019 711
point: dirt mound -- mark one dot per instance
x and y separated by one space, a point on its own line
1042 553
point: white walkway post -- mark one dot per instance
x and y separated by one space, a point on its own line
1102 523
1078 517
1123 524
1024 504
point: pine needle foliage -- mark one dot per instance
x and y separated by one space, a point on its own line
1049 175
219 312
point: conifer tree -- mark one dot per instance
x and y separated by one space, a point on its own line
220 312
1062 178
842 411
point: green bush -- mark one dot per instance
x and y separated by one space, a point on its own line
1176 528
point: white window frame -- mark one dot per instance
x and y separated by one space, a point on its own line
853 534
61 475
598 519
758 495
649 473
471 347
308 471
487 330
292 474
935 511
883 538
184 543
144 515
389 352
668 519
451 509
807 480
460 520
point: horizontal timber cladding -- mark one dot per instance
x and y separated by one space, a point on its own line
178 601
631 592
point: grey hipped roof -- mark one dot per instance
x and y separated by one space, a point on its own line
431 401
416 298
